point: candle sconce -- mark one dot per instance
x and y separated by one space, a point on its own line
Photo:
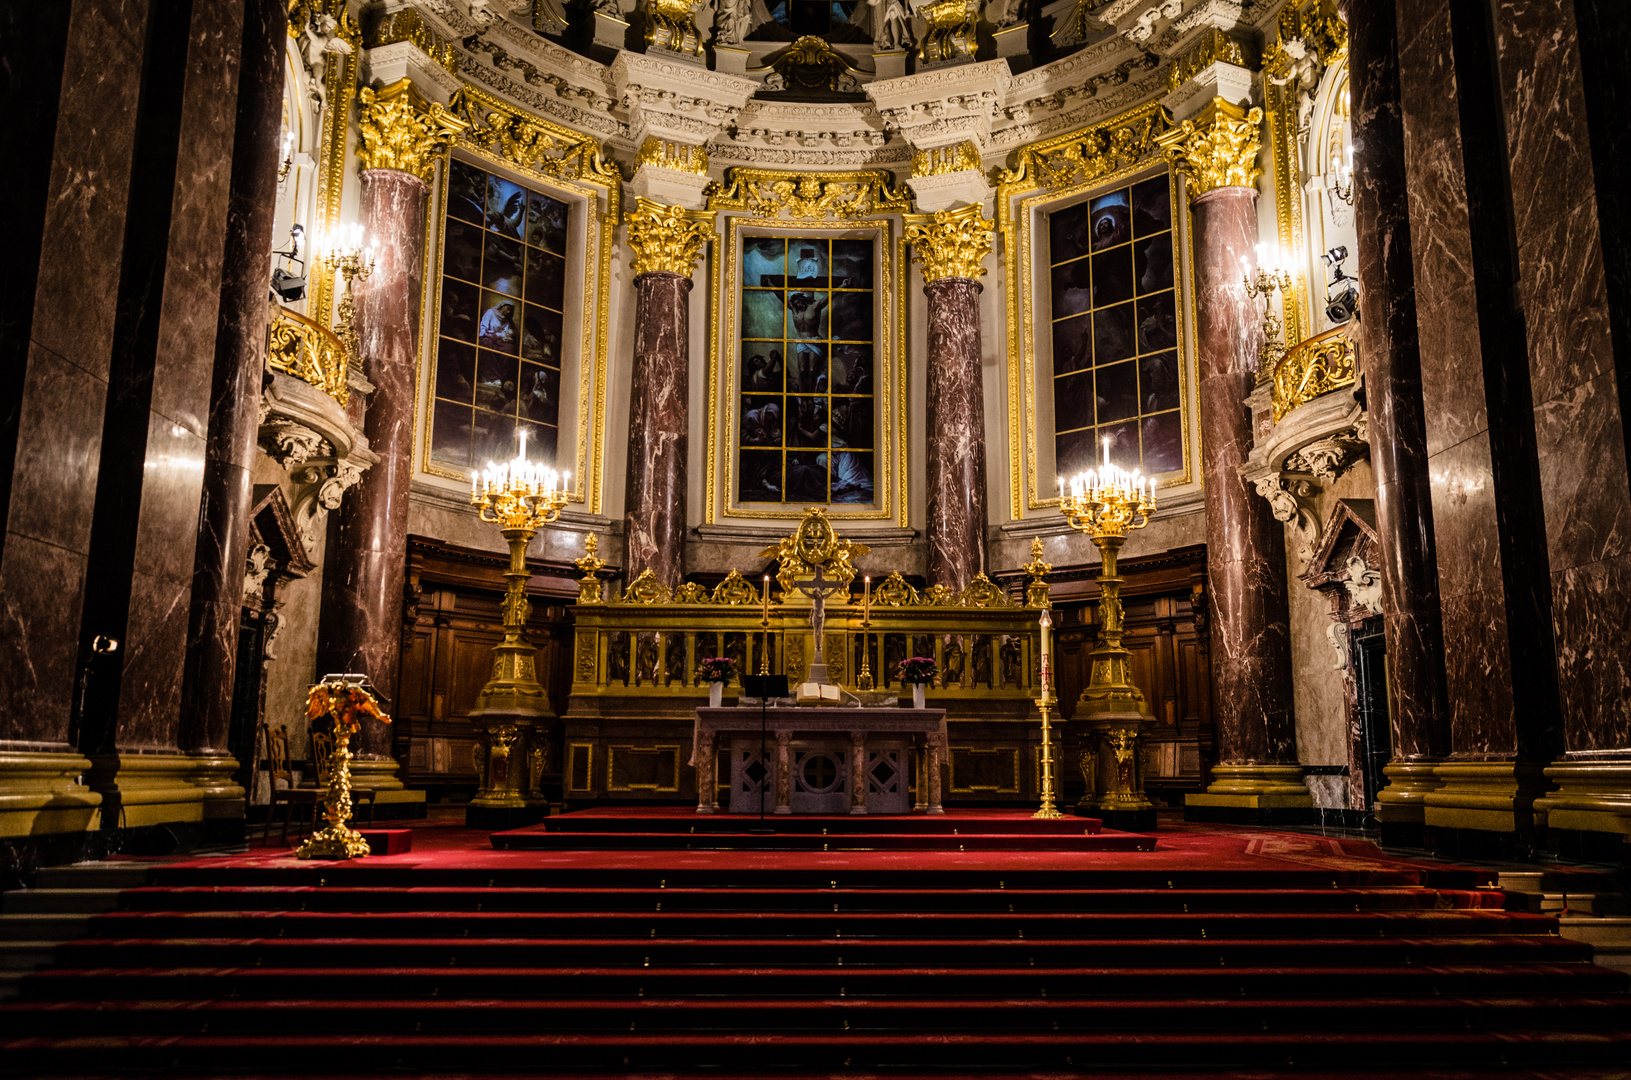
349 257
1268 278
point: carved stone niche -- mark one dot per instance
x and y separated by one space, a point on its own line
1296 458
319 443
276 557
1346 567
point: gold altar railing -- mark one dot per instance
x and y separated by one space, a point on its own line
311 353
1316 366
648 642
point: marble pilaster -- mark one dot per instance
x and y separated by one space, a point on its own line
367 554
950 246
659 409
666 242
955 452
1245 545
1390 358
235 390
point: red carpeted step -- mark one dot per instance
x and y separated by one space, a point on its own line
655 951
661 924
653 1015
531 840
443 898
839 1050
686 820
1315 980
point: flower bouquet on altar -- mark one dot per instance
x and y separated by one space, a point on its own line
919 671
716 671
347 701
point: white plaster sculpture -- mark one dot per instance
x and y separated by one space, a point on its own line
893 26
1364 584
320 40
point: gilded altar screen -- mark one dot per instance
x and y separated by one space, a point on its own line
498 350
806 400
1115 331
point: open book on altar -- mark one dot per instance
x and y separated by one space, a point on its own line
814 693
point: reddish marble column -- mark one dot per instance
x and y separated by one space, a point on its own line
366 560
235 390
1245 546
1391 360
654 511
956 434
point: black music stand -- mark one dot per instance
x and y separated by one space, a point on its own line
764 687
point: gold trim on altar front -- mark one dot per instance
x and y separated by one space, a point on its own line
1048 175
751 203
567 163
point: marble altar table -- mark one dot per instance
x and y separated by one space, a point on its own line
920 728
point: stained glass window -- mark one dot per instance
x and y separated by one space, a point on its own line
1115 331
805 402
499 336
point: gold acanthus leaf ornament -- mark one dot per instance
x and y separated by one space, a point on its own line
767 192
950 243
400 130
1218 148
672 155
941 160
667 239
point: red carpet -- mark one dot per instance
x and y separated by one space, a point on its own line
1227 954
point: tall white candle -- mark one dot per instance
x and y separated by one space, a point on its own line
1047 640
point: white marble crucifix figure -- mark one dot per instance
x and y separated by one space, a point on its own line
818 589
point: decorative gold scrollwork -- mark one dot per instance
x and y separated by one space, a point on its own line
895 592
735 590
667 239
589 585
1323 363
950 33
298 346
646 589
815 543
1036 591
982 592
767 192
690 593
400 130
1217 148
672 155
529 141
670 26
940 160
950 243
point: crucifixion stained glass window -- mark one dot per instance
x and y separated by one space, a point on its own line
1115 331
498 347
805 400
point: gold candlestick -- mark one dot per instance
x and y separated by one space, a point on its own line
764 621
1047 809
1264 282
352 260
1107 503
863 681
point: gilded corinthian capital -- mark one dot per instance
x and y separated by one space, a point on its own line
400 130
667 239
1217 148
950 243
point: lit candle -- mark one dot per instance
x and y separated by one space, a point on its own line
1047 636
866 598
767 599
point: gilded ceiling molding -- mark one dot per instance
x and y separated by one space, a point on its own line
407 25
401 131
671 26
1213 48
766 193
530 141
1087 155
940 160
667 239
950 243
672 155
1218 148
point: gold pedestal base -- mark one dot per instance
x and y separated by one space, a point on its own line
509 752
1111 764
1487 796
339 840
40 794
1590 797
1403 801
146 789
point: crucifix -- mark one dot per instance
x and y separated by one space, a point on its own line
818 588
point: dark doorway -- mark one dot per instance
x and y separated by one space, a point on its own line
1370 678
246 700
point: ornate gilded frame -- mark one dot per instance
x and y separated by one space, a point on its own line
554 158
764 202
1053 173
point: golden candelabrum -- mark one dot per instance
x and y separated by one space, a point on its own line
1268 278
517 496
347 701
1107 503
863 681
349 257
1043 704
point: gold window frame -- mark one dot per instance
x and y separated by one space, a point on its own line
1052 174
763 202
564 164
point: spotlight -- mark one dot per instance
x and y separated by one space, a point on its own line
1342 292
285 284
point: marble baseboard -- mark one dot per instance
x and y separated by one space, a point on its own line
147 789
1281 785
1484 796
39 794
1590 797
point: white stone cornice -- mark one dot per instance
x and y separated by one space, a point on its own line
1230 82
581 109
679 102
386 64
944 105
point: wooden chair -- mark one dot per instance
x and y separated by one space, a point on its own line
322 748
277 756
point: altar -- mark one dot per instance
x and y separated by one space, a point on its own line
821 760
